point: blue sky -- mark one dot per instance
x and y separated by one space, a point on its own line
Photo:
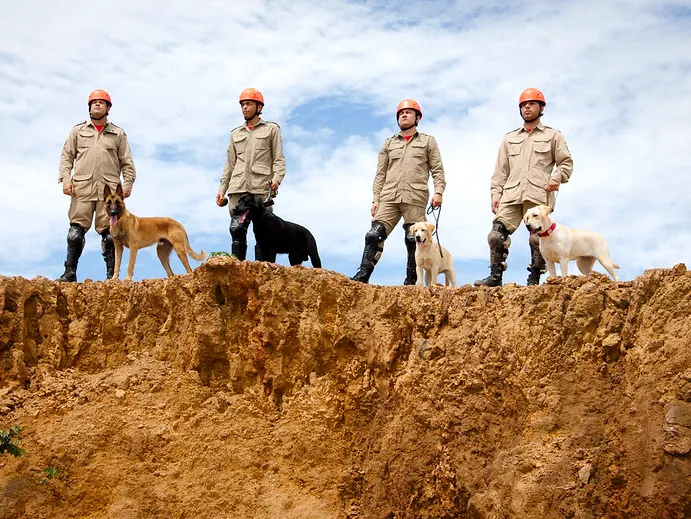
617 77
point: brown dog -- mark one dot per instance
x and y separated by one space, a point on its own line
136 233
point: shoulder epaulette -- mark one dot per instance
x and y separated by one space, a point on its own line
237 128
79 124
515 130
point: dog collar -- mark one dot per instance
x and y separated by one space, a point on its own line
548 231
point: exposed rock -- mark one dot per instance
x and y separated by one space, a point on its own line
259 391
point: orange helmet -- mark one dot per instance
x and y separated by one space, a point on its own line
100 94
531 94
409 103
251 94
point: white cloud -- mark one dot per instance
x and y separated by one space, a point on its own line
617 76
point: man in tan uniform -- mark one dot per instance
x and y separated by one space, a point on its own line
400 188
102 153
525 176
255 164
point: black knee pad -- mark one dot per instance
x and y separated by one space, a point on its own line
537 262
238 230
106 242
75 236
376 234
534 241
499 236
409 238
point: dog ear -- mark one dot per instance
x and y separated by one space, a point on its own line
118 190
430 227
106 191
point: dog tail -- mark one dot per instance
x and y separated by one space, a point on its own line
197 256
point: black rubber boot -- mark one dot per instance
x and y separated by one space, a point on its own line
108 250
411 268
494 279
533 277
364 272
75 246
374 239
537 265
238 231
238 249
499 242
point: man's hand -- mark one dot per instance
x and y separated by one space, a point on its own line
436 200
375 207
274 185
553 185
68 188
126 192
219 199
495 206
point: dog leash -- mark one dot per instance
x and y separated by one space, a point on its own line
436 213
270 196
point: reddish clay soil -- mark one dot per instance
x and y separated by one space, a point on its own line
256 391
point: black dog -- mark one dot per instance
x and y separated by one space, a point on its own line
275 235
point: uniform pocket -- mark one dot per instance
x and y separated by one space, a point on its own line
542 158
239 143
538 177
419 150
395 153
542 146
514 147
259 181
535 187
261 137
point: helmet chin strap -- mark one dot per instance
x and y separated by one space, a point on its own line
257 111
100 118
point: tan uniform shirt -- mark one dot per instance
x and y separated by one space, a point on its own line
254 159
404 168
526 163
100 158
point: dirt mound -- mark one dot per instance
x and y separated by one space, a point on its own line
249 390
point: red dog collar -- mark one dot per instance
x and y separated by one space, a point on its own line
548 231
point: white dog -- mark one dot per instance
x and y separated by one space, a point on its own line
559 244
428 258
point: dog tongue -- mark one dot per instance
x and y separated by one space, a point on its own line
241 218
113 220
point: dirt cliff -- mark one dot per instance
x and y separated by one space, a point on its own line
249 390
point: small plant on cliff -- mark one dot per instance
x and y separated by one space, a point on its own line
48 474
219 253
10 440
